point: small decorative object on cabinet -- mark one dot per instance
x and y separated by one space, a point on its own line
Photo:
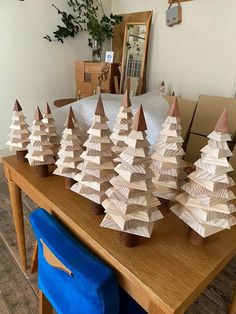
90 75
69 153
162 88
19 133
51 130
206 203
122 126
97 168
40 153
168 165
131 207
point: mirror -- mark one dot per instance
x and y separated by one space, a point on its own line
134 57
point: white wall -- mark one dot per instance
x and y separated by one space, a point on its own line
197 56
31 69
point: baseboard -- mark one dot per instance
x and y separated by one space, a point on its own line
4 152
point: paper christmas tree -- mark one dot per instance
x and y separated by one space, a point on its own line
69 153
168 165
206 203
122 126
162 88
39 149
19 133
97 168
131 206
51 130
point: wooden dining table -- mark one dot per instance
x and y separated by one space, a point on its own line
164 274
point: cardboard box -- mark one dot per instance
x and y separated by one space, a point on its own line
208 112
187 109
233 162
195 144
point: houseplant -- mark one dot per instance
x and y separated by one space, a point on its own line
86 15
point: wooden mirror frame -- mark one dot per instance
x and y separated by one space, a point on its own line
142 79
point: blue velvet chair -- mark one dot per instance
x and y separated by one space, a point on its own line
71 279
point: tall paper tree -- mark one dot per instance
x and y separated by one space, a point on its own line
168 165
97 168
131 207
206 203
51 130
122 126
40 153
19 133
69 153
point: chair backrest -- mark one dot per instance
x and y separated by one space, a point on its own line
72 278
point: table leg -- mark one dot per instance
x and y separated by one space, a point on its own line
17 211
34 263
154 309
233 305
44 305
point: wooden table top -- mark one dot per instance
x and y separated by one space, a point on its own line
166 269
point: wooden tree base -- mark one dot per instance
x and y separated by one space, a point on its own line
165 206
42 171
96 209
129 240
195 238
20 156
69 182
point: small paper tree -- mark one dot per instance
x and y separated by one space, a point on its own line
19 133
168 165
69 153
122 126
51 130
162 88
97 168
40 153
206 203
132 206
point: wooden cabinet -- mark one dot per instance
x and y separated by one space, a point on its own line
91 76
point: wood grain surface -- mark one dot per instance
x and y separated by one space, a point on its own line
165 270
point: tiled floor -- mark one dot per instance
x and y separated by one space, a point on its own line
18 292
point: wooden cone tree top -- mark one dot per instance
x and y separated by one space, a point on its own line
19 133
126 100
70 123
38 115
48 110
100 108
71 113
174 109
168 164
131 206
206 204
97 168
139 123
17 106
222 123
